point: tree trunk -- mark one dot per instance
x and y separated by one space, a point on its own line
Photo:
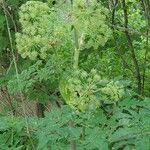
146 8
135 61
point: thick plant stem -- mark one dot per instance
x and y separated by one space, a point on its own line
75 65
40 110
73 145
77 49
76 58
72 142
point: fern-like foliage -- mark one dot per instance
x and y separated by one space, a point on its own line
126 127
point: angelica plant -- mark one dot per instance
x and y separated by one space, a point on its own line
61 32
44 27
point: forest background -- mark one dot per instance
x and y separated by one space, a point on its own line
75 74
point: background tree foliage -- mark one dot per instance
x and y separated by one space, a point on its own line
88 60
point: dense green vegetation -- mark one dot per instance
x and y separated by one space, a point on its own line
86 66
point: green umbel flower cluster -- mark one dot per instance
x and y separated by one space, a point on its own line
79 90
90 20
114 89
87 91
44 28
34 40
